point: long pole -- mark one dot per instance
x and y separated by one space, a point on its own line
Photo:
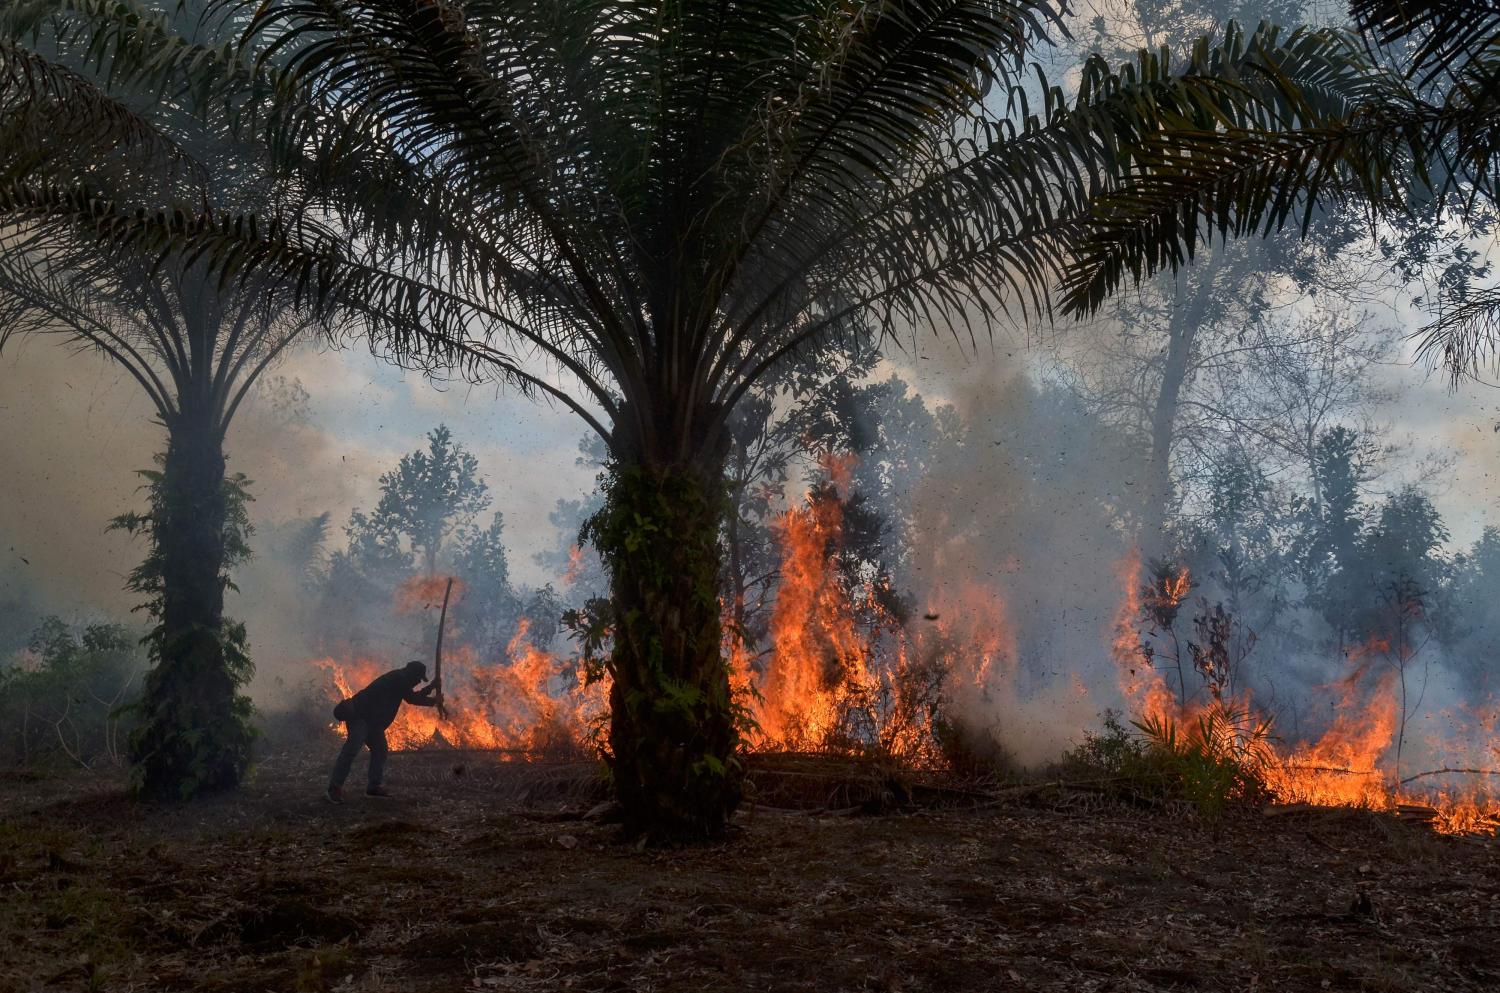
437 661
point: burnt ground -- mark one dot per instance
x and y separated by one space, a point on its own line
486 881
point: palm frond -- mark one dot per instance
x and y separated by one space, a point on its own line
139 47
988 223
55 119
666 200
1388 149
1465 338
1443 33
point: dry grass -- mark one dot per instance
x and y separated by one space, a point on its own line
485 879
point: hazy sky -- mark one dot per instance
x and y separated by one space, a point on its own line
73 430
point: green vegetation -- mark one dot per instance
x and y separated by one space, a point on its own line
194 731
64 698
674 735
1210 763
1411 134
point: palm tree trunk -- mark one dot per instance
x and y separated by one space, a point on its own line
673 735
193 737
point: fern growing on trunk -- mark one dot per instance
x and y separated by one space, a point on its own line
194 733
675 733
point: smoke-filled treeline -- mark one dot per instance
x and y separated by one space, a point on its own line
1012 509
1019 499
434 517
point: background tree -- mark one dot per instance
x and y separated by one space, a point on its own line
1476 633
426 498
821 417
1403 560
1416 143
1253 349
429 521
1332 525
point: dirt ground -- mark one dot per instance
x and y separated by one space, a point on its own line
480 876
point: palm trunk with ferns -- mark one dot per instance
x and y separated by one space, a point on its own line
193 735
673 733
196 354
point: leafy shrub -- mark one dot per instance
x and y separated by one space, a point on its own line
193 733
1215 760
61 698
1209 763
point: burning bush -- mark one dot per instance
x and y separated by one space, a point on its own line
521 705
1213 746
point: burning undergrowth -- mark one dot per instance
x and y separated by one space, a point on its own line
1379 748
528 702
956 687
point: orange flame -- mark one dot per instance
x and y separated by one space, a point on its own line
840 673
426 592
575 566
1145 688
832 681
1351 764
533 706
818 652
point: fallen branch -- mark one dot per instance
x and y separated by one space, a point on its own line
1452 772
1416 812
1278 809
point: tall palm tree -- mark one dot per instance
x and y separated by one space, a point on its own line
660 202
1420 138
194 348
196 353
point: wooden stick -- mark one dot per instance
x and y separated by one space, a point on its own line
1455 772
438 655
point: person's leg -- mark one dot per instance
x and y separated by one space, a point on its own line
378 751
357 732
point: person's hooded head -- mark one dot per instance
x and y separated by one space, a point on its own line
415 671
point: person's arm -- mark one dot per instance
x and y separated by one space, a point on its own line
425 697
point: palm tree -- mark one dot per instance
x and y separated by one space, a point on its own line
195 347
196 353
661 202
1419 139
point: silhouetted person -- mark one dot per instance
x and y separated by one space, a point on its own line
367 714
